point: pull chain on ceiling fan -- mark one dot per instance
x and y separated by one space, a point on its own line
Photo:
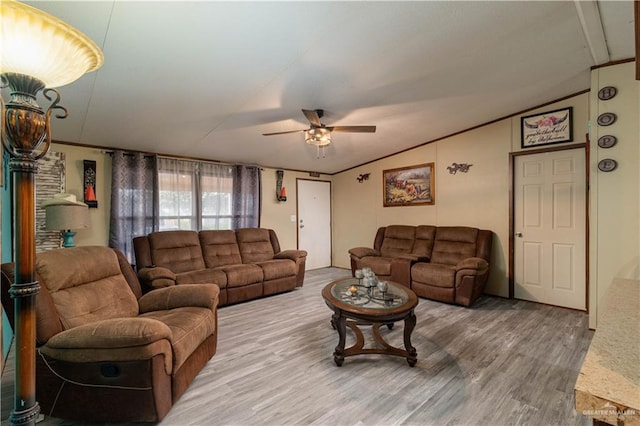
320 135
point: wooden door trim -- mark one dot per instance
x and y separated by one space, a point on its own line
330 215
512 177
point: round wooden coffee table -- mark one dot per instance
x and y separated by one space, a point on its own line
353 305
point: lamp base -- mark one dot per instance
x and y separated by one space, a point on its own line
67 239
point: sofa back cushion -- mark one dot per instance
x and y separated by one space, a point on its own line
398 239
255 244
178 251
453 244
86 285
425 237
219 248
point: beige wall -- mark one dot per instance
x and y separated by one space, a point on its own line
479 198
615 196
98 234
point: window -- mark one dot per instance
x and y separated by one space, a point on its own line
176 189
216 199
198 195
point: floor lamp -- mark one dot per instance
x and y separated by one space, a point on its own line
38 52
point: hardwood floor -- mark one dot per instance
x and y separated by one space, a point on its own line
502 362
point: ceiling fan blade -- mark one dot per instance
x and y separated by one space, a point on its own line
353 129
313 117
283 133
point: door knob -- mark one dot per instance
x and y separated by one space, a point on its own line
301 226
518 234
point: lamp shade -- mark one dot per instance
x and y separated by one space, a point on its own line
67 216
318 136
39 45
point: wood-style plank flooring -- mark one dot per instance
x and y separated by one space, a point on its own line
502 362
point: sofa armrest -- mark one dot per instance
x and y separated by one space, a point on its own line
294 255
361 252
111 333
184 295
157 277
113 340
471 277
401 269
474 265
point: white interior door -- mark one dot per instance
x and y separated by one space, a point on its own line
550 218
314 222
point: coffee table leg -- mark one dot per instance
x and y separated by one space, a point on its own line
340 323
409 325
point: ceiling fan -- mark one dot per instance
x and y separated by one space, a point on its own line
320 135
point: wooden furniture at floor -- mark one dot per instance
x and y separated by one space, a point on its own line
353 305
608 385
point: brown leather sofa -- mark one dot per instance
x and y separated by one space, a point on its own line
446 263
105 352
246 263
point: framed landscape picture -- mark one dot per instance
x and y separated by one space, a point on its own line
547 128
409 186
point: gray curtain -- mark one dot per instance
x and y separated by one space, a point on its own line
134 199
246 197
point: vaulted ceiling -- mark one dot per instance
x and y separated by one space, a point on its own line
207 79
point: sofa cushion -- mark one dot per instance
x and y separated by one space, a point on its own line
243 274
176 250
73 285
425 237
255 244
203 276
398 239
278 268
454 244
219 248
434 274
189 326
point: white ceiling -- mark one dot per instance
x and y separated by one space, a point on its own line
206 79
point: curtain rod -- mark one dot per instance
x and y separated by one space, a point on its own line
127 153
146 155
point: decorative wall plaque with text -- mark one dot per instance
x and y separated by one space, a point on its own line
607 93
547 128
607 141
607 165
607 119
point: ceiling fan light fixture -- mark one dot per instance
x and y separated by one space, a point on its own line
318 136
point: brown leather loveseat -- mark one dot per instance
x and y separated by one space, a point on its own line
105 352
246 263
444 263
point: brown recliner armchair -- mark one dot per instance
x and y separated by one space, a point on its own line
105 352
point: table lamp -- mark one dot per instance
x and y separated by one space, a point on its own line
64 213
